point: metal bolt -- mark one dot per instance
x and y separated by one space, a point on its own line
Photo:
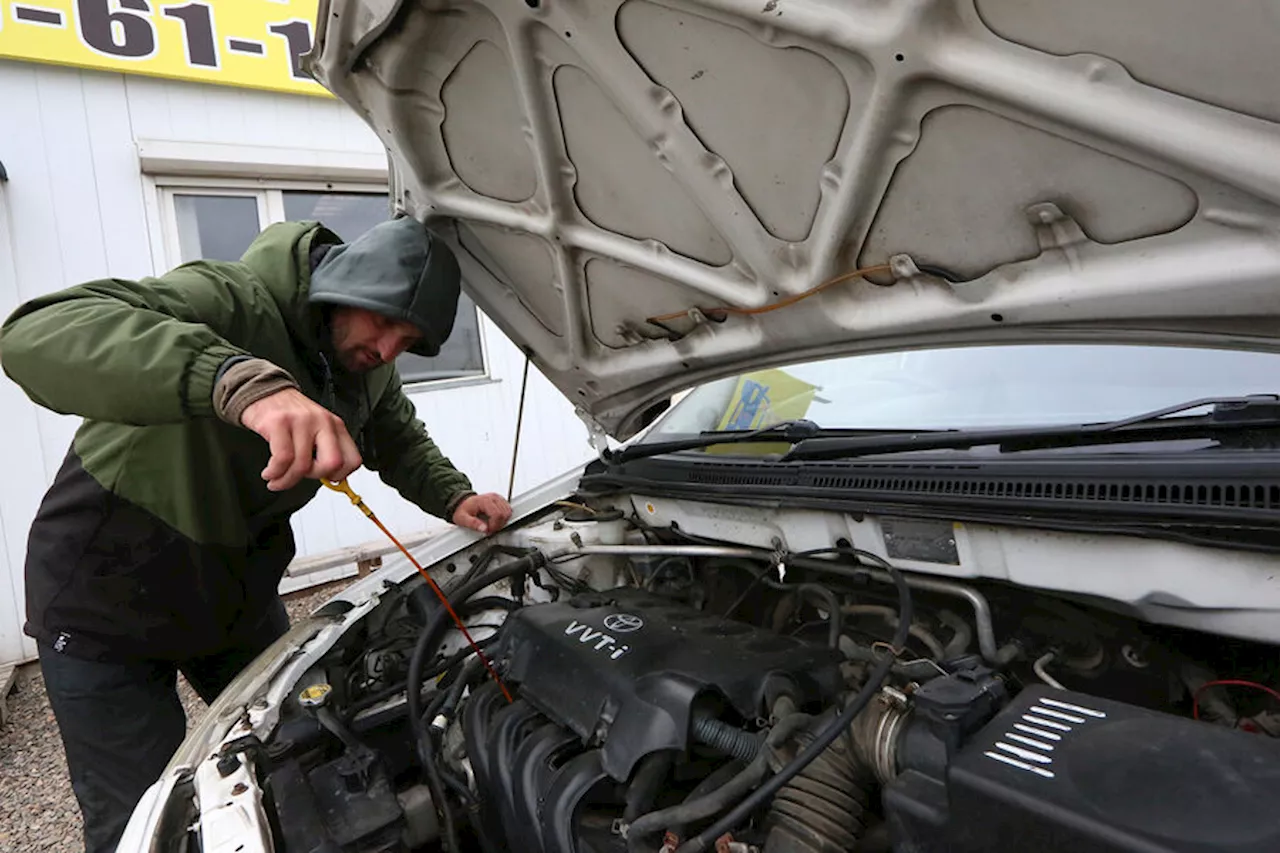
1133 657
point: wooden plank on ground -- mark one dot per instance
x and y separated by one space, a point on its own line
7 672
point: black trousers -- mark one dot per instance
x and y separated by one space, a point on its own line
121 722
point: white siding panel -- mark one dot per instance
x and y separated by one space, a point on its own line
45 246
24 473
121 205
174 110
33 263
37 257
73 187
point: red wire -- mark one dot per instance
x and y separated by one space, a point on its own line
1227 682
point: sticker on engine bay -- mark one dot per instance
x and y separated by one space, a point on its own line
922 540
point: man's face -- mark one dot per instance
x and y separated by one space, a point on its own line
363 339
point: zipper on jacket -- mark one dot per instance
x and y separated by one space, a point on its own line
328 395
363 438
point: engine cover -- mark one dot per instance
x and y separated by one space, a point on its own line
1062 771
623 669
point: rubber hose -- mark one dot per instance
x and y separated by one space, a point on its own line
721 798
644 788
413 685
423 745
396 689
435 784
430 634
824 738
833 610
822 809
730 740
470 671
921 633
454 783
718 777
426 754
961 636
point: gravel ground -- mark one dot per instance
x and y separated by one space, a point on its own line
38 811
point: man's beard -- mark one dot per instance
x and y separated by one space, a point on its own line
357 360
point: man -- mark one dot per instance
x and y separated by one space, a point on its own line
215 397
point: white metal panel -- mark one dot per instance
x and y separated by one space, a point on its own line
179 111
121 205
70 207
23 473
165 157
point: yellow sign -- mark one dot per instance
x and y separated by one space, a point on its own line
762 399
249 43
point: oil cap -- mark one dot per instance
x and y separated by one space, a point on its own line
315 696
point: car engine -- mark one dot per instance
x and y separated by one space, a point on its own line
653 691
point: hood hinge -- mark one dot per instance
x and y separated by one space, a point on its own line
597 437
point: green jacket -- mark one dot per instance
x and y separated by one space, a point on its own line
154 476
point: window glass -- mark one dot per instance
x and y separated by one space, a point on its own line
1010 385
346 214
215 227
351 214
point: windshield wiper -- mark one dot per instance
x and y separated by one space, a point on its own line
790 432
1229 414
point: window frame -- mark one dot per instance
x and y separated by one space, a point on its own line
269 193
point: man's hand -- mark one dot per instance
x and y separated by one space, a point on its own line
485 513
307 440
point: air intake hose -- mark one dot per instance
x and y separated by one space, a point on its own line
821 809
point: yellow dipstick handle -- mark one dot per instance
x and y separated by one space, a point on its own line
345 488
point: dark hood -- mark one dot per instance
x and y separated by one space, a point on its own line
399 269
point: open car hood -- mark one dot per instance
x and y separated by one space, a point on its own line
614 174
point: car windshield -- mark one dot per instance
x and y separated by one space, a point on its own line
971 388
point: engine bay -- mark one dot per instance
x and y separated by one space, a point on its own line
657 690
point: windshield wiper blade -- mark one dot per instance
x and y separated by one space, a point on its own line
790 432
1229 413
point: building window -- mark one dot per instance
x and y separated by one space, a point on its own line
215 227
219 223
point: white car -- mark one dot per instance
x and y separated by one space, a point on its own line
964 534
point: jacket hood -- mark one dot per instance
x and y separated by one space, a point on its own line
646 195
398 269
280 257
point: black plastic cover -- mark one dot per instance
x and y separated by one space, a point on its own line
624 668
1063 771
947 711
343 806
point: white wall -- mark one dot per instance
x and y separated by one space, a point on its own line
77 207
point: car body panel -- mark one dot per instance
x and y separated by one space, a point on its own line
1014 171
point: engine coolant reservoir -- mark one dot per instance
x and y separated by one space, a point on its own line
576 528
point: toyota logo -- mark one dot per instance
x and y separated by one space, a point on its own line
623 623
